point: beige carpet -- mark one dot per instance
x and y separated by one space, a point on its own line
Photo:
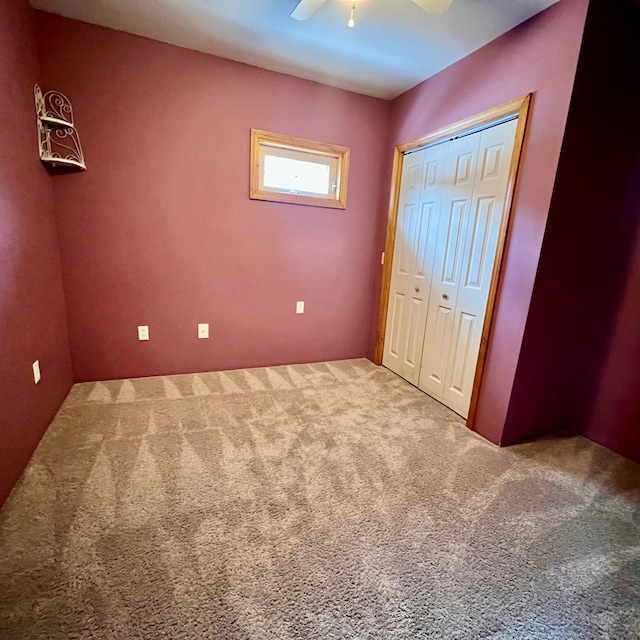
329 501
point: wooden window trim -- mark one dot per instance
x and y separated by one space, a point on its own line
261 138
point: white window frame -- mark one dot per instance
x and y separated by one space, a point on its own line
335 156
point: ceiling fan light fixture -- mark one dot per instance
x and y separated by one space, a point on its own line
306 9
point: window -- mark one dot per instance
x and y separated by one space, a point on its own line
298 171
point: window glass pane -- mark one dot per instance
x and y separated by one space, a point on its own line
296 175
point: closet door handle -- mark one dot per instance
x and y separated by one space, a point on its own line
417 289
445 296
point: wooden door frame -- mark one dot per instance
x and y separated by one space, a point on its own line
518 107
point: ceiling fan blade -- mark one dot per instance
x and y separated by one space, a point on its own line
306 9
436 7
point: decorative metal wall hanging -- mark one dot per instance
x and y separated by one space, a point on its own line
58 140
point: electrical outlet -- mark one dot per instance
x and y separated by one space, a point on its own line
36 371
203 330
143 332
300 306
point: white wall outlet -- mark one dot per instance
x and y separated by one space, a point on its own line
203 330
300 306
36 371
143 332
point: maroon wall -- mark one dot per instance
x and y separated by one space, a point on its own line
32 315
160 229
539 56
608 402
574 329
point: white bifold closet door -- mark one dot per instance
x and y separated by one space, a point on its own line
451 209
413 255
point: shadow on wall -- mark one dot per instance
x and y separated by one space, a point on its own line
608 408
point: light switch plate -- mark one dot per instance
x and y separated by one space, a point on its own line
300 306
203 330
143 332
36 371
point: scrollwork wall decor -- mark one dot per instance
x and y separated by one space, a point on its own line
58 140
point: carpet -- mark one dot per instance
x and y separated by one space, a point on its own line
326 501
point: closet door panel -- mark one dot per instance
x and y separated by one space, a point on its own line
457 191
411 278
486 219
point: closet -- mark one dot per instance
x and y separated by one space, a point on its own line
451 212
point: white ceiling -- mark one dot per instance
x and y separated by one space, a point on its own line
394 45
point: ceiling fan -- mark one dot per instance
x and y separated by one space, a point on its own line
306 9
